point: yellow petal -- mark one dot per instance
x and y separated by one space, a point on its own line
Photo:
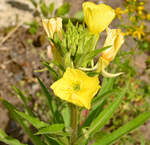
115 38
52 25
97 17
76 87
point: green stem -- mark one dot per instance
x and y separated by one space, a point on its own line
73 123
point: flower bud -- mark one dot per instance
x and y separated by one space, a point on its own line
53 25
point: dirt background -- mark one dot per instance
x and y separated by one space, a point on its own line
19 58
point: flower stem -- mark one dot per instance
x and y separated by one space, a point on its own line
73 123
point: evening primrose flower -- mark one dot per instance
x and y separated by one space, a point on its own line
76 87
139 32
97 17
114 39
119 12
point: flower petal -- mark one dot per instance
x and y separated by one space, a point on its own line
115 38
64 88
97 17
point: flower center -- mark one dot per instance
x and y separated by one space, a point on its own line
76 87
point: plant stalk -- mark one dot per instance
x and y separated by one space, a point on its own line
73 123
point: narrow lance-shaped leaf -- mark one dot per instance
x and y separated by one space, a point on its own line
105 115
33 120
106 87
66 116
9 140
51 129
47 94
64 9
53 141
24 99
51 7
93 113
112 137
35 140
52 71
34 3
83 59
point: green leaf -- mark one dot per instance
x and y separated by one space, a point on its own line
112 137
94 113
33 27
44 9
33 120
52 71
79 15
66 116
24 99
51 7
9 140
107 86
97 107
64 9
47 95
34 3
105 115
85 58
53 141
51 129
35 139
67 60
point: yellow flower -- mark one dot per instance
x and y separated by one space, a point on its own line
115 38
140 8
119 12
132 19
148 17
139 32
52 25
76 87
97 17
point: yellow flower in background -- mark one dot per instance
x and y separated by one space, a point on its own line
139 31
140 10
76 87
133 19
97 17
148 17
115 38
52 25
119 12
